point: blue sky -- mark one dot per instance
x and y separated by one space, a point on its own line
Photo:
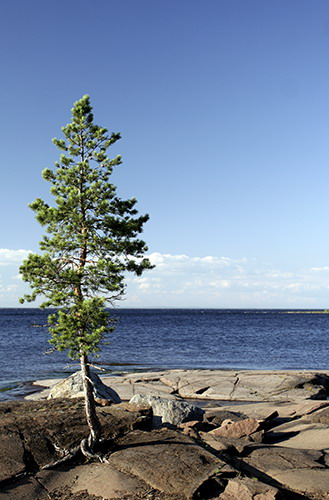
224 114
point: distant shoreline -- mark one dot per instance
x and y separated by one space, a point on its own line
299 311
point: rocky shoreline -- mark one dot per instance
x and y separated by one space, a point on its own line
259 435
210 385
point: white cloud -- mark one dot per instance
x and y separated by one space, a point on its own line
180 263
214 281
9 288
200 281
17 277
11 284
8 257
220 284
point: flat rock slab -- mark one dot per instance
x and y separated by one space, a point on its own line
274 458
25 489
100 480
301 435
229 385
260 410
166 460
299 470
252 386
306 482
93 481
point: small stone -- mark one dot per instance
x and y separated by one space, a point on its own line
238 429
102 402
217 417
192 424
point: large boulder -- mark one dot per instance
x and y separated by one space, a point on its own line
167 411
72 387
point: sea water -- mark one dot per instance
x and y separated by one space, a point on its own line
148 339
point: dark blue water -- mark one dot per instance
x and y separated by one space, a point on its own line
170 338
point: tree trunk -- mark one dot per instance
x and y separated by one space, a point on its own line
90 407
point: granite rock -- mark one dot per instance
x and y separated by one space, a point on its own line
73 387
167 411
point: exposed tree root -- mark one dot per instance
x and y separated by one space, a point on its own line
83 449
89 453
68 455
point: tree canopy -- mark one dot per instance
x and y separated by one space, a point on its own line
92 236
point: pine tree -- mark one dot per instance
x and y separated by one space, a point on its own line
91 241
